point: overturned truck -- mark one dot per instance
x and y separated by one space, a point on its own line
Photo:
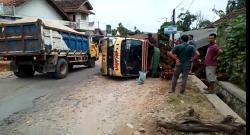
125 57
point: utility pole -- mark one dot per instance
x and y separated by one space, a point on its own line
98 24
173 22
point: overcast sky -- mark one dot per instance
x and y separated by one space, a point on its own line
147 15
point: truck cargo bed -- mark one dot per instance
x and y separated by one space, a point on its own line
20 39
40 37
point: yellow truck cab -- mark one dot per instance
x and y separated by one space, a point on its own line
125 57
94 46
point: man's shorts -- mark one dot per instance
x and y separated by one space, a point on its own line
211 73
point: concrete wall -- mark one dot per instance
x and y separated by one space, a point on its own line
233 97
38 9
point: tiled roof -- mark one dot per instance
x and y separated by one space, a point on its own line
51 2
78 11
72 5
12 2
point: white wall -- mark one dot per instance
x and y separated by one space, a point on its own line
78 16
87 18
38 9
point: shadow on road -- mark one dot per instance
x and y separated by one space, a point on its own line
47 76
114 78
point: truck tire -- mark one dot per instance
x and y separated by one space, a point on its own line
25 71
61 69
91 62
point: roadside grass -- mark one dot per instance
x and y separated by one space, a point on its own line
193 99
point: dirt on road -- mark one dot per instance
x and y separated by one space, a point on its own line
105 106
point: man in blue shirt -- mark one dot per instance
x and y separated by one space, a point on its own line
191 42
183 55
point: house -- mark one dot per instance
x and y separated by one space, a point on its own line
78 12
72 13
45 9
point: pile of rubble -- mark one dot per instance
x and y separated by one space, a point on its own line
166 64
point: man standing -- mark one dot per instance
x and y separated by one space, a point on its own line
213 52
191 42
183 55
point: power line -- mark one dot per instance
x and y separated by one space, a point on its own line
191 4
179 4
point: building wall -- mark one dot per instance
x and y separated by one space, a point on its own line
80 16
38 9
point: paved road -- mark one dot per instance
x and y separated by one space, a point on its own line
18 94
84 103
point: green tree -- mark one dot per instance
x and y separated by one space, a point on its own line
199 18
235 4
185 21
201 21
220 13
113 32
123 31
205 23
136 31
232 38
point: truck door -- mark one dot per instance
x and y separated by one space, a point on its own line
110 57
104 66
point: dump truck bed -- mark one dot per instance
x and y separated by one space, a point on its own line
35 37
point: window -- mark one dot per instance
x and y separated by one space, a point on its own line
74 18
83 17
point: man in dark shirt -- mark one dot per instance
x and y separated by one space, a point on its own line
183 55
191 42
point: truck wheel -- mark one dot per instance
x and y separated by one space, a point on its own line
61 69
24 72
91 62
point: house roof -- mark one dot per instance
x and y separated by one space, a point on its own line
78 11
12 2
72 6
17 3
98 31
201 36
142 36
230 15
